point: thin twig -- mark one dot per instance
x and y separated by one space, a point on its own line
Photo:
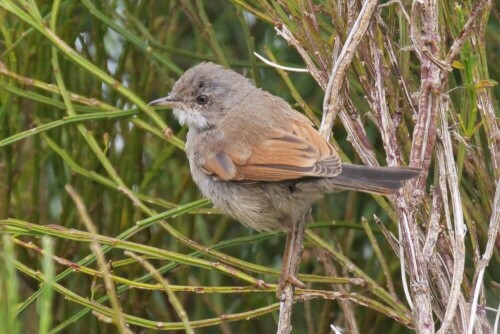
389 236
458 217
492 236
118 318
331 103
347 310
380 256
386 124
356 133
287 35
281 67
476 9
433 228
166 286
497 320
402 266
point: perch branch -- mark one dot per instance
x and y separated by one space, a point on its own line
294 242
331 106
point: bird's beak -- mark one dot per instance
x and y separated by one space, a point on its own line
168 101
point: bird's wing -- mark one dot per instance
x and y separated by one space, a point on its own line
297 152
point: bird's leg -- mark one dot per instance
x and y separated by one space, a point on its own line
291 257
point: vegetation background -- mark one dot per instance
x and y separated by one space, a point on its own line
84 162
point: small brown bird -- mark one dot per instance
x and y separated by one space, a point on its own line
256 158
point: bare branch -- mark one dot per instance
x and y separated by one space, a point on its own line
433 229
287 35
460 228
331 103
492 236
455 48
295 239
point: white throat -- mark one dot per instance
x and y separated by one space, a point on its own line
191 117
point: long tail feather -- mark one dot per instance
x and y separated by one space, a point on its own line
377 180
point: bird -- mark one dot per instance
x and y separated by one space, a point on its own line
257 159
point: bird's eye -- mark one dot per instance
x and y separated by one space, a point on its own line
202 99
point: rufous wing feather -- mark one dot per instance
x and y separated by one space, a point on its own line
221 166
297 152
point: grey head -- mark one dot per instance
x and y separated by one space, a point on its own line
204 94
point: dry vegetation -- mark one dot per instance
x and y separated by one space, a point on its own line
102 229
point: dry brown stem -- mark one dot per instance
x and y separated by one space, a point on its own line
330 107
432 227
457 235
291 261
349 314
331 103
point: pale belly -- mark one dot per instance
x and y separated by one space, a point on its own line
260 206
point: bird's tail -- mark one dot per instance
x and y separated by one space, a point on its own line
375 180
